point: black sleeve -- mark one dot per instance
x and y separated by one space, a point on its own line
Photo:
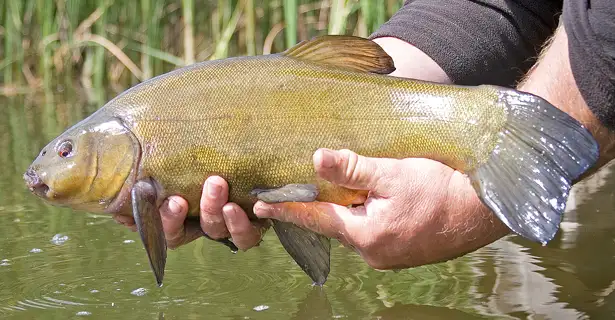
590 26
477 42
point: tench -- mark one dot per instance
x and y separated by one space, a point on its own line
256 121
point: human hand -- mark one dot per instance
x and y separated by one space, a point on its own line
418 211
218 219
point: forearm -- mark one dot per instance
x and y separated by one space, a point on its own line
471 41
552 79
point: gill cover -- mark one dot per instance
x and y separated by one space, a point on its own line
86 166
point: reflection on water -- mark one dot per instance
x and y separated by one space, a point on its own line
59 264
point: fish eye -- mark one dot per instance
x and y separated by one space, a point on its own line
44 152
65 149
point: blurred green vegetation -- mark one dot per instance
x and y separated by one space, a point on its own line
110 43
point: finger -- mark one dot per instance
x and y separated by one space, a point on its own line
127 221
245 235
350 170
173 213
329 219
213 198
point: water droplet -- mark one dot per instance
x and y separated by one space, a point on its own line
36 250
94 291
83 313
17 220
261 307
59 239
139 292
129 241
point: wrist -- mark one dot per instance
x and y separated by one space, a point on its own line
475 223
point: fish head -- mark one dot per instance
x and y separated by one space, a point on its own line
87 167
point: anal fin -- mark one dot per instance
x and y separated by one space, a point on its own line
149 225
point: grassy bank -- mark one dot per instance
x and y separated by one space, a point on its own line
119 43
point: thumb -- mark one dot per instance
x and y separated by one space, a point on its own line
350 170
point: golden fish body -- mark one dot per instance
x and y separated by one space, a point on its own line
257 122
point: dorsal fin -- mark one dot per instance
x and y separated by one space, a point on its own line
348 52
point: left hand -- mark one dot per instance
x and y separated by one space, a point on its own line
218 219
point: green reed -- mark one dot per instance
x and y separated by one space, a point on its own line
290 17
116 44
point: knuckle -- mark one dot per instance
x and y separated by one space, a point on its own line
215 230
240 229
245 244
211 208
351 162
174 240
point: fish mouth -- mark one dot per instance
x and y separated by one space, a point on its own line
35 184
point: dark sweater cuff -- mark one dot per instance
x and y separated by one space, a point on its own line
476 42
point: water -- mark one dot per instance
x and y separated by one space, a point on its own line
60 264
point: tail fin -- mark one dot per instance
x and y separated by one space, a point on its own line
527 180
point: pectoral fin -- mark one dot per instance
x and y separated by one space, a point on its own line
149 224
311 251
288 193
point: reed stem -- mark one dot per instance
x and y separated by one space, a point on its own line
250 14
290 19
188 11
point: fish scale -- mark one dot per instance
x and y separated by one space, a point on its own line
259 122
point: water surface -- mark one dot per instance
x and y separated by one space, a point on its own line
62 264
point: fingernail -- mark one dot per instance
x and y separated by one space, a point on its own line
174 207
329 159
261 209
213 190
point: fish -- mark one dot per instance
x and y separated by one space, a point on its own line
256 122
